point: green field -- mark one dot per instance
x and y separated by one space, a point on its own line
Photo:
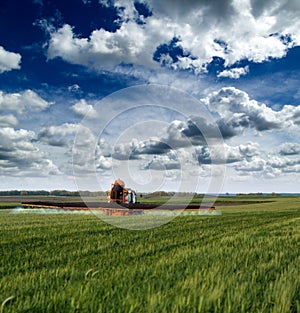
245 260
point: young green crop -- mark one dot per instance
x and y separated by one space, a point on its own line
241 261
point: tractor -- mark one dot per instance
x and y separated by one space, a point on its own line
121 195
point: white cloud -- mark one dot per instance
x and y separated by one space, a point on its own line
282 162
61 135
74 88
19 156
82 108
124 151
74 141
234 73
9 60
290 148
257 164
268 166
99 157
232 30
8 120
103 49
27 100
233 154
104 148
104 163
168 161
238 112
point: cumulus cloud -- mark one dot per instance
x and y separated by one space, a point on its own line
168 161
104 148
234 112
296 116
74 88
65 135
234 73
103 163
79 146
289 148
135 148
124 151
8 120
250 159
270 166
198 129
99 157
9 60
27 100
60 136
257 164
193 34
238 112
233 154
194 131
178 134
103 49
19 155
82 108
282 163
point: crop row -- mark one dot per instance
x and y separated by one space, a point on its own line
229 263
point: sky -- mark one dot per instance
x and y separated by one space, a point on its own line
200 96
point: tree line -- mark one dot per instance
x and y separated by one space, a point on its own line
88 193
66 193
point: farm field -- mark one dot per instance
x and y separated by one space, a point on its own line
245 260
13 201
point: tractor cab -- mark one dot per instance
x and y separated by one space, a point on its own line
121 195
131 196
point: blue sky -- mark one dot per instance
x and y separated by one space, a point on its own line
69 70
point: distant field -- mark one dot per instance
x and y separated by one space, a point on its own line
19 199
246 260
11 201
